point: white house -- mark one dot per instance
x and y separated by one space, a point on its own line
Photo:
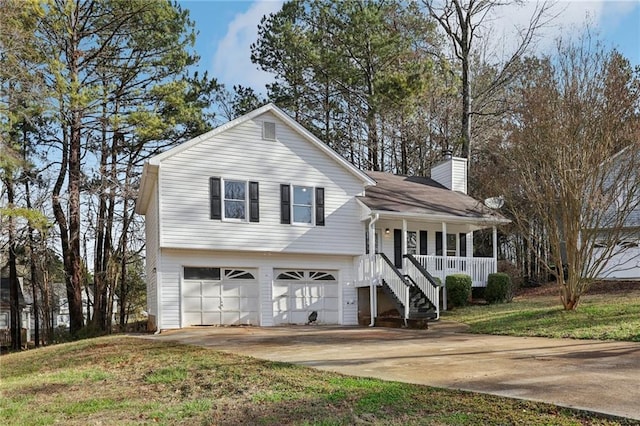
259 222
620 229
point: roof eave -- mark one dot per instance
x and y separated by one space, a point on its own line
441 217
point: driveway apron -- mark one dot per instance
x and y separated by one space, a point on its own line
586 374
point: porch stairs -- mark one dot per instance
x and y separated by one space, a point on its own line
416 293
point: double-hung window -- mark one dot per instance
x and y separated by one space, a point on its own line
235 200
302 205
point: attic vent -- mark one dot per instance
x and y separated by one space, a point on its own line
269 130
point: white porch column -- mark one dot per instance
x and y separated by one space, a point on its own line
444 251
495 249
404 243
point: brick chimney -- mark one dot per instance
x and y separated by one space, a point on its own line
451 172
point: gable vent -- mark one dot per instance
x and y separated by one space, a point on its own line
269 130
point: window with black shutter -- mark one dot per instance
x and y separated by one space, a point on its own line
397 248
285 204
254 202
423 242
438 243
463 245
215 198
320 206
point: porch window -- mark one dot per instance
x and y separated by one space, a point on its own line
412 242
451 245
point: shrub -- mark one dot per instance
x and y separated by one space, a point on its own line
499 288
458 289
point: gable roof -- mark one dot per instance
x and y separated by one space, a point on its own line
421 196
150 167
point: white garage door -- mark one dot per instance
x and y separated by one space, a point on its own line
219 296
296 294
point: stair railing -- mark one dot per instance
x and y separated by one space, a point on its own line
424 281
394 280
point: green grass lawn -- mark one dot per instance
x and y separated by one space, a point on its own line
122 380
607 316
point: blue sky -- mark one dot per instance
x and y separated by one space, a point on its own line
227 28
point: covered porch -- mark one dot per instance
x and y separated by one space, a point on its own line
418 231
442 248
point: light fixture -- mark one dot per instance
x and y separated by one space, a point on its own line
387 231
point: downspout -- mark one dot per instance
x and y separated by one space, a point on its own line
373 300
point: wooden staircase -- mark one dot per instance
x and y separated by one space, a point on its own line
414 300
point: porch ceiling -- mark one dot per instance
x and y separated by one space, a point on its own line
420 198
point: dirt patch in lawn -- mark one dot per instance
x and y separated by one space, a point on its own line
600 287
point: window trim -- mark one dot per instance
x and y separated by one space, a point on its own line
312 206
223 197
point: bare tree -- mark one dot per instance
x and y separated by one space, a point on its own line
464 22
573 157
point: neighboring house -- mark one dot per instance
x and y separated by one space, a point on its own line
5 312
259 222
61 314
624 263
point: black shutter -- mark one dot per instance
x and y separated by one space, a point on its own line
463 245
319 206
397 247
285 204
216 199
438 243
254 202
423 242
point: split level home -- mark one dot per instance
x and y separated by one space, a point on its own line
259 222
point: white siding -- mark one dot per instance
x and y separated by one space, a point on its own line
623 265
452 174
174 260
241 153
151 251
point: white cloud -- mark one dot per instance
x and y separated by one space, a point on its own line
232 58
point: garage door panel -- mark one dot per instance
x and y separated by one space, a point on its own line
210 288
230 289
192 304
299 317
280 290
314 290
329 317
231 318
331 290
191 289
249 290
231 304
210 318
249 304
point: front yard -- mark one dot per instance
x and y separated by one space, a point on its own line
610 311
123 380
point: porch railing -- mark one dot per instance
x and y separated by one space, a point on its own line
425 282
394 280
478 268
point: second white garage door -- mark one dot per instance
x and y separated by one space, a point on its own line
219 296
296 294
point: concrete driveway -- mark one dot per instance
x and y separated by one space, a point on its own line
586 374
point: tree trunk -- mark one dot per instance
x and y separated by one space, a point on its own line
14 284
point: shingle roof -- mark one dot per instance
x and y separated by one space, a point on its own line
422 196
